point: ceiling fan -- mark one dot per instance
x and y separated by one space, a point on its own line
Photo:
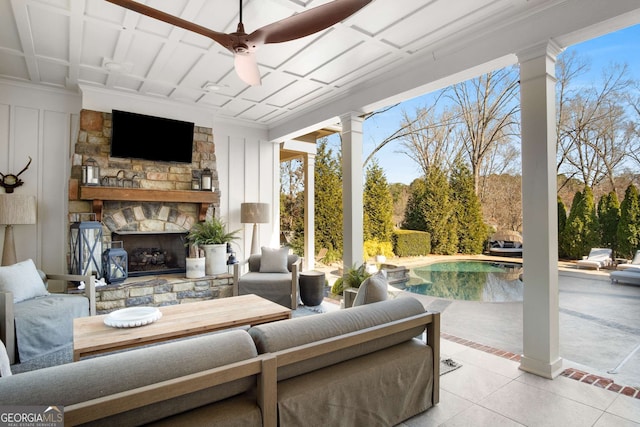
243 45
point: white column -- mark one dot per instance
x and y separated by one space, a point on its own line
309 211
352 189
539 207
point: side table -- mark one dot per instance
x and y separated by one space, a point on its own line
312 287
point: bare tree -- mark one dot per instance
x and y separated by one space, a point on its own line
426 136
633 100
594 132
488 107
429 138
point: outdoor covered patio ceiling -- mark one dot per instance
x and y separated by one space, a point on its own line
387 52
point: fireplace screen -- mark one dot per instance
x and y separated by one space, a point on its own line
154 253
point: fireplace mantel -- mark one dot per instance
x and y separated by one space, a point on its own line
99 194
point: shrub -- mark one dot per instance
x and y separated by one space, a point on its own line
411 243
373 248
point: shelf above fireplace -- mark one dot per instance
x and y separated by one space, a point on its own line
99 194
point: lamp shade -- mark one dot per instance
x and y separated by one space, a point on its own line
17 209
254 213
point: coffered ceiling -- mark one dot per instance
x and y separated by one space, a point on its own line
379 52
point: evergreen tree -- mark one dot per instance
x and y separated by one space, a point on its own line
628 234
591 238
378 205
608 218
570 244
581 231
414 213
439 213
562 222
328 201
472 232
292 204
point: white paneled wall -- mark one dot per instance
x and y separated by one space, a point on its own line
248 166
37 123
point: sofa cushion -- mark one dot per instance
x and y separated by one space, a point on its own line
276 336
22 280
104 375
372 289
274 260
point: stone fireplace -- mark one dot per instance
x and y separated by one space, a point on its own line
150 207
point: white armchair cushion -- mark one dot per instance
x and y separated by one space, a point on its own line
22 280
274 260
372 289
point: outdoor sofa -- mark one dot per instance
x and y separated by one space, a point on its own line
361 366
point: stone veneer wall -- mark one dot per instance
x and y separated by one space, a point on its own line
161 291
94 141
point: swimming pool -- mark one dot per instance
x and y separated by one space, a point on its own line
487 281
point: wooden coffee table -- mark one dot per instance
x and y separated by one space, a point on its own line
91 336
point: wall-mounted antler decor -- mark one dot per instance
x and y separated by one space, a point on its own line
11 181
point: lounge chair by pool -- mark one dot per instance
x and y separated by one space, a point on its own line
635 263
597 258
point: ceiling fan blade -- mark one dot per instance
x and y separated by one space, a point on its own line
308 22
247 68
221 38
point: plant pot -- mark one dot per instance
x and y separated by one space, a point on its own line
195 268
216 259
381 259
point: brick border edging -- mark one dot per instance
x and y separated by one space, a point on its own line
572 373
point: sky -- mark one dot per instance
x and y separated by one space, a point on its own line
620 47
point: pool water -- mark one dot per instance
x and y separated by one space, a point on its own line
468 280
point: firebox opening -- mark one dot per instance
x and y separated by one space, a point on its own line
154 253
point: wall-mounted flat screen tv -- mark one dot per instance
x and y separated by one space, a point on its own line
139 136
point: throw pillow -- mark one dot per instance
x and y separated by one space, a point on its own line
274 260
372 289
22 280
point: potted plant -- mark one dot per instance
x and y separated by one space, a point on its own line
195 262
349 283
212 236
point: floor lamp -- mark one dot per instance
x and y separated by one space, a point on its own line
254 213
14 209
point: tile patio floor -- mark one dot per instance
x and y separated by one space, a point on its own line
600 326
491 391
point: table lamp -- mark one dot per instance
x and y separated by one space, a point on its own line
14 209
254 213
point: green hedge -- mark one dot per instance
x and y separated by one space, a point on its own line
411 243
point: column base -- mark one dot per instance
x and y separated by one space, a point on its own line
540 368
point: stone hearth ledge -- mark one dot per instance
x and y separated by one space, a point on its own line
161 290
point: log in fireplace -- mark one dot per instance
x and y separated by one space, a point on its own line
153 253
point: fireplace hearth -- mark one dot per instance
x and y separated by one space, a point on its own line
153 253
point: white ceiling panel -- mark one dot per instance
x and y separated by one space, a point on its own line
43 23
13 66
8 29
100 42
93 77
64 43
53 74
293 93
